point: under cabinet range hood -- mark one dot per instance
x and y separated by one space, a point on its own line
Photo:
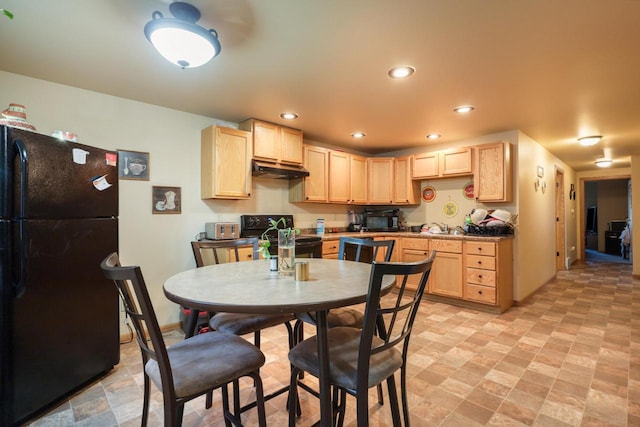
278 170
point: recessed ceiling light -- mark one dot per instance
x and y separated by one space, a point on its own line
464 109
289 116
358 134
603 163
434 136
589 140
401 72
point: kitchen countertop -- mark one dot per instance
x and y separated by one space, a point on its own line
335 236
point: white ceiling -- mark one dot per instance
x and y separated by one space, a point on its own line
553 69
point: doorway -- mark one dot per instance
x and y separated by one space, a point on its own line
605 207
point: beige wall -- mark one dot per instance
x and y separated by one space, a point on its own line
160 243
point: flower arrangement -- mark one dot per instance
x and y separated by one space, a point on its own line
279 225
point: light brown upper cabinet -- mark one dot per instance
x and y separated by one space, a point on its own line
225 163
347 178
406 191
339 177
274 142
442 164
492 180
315 187
380 191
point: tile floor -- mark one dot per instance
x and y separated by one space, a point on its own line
569 356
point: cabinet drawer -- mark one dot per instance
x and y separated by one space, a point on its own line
330 247
422 244
453 246
483 294
481 277
483 262
481 248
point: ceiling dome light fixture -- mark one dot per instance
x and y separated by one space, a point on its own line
434 136
589 140
180 40
358 134
401 72
464 109
289 116
603 163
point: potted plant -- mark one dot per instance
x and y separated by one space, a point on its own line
286 243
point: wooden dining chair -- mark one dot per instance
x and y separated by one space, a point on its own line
363 358
189 368
238 323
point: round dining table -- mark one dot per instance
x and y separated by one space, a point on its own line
250 287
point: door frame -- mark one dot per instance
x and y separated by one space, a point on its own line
561 251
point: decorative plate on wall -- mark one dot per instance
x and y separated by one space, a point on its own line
428 194
450 209
467 191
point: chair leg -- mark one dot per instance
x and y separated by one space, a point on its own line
293 396
145 404
256 338
236 397
209 403
403 393
342 408
380 395
179 414
362 408
262 417
393 401
225 404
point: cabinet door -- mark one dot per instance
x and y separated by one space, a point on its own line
405 189
380 180
291 145
413 255
456 162
316 185
446 275
225 163
265 140
425 165
358 180
339 177
492 176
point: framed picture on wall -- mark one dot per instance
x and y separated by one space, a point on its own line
133 165
166 200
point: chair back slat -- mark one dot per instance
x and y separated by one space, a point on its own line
137 305
214 246
390 318
361 243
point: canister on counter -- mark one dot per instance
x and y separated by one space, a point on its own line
320 226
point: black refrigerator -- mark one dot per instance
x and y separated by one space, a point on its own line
59 220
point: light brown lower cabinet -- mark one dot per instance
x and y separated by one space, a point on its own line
465 272
446 272
330 249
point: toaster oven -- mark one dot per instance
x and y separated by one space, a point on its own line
222 230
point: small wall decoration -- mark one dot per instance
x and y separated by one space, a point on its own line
467 190
133 165
540 172
572 192
450 209
429 194
166 200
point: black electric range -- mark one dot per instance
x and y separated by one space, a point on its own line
255 225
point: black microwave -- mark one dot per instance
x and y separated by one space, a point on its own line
380 220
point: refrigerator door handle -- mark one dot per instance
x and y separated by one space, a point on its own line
20 285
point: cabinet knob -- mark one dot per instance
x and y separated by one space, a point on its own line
479 276
479 292
479 262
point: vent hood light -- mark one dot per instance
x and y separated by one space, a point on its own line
589 140
277 170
